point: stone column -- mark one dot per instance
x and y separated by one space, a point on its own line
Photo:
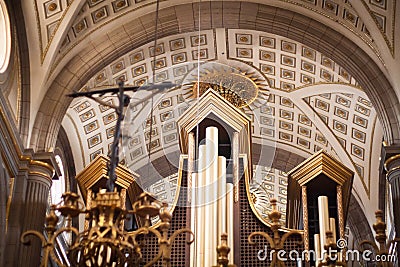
37 192
392 167
15 220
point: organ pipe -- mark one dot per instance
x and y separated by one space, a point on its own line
211 202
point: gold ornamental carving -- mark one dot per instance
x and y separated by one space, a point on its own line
239 89
239 85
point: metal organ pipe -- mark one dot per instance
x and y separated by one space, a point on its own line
229 219
211 202
211 205
192 176
222 204
201 181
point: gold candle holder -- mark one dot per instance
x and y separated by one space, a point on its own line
384 245
276 242
223 252
106 243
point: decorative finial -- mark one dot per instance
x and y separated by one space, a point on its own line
331 258
223 251
384 245
380 227
275 215
276 241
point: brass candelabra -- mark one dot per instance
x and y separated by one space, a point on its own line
276 242
384 245
223 251
106 243
146 209
332 255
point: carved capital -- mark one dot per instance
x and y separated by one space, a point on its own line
392 162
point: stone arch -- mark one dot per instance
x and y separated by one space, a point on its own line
240 15
358 223
18 67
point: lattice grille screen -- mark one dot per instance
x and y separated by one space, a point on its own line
180 249
249 224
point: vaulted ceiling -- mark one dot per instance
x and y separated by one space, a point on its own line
329 67
305 102
71 41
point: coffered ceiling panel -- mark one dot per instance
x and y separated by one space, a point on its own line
311 102
95 14
269 183
85 32
49 14
352 120
383 12
82 20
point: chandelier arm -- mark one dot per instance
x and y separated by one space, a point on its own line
54 258
181 231
64 229
138 231
287 235
53 242
156 233
138 252
274 261
146 231
154 260
136 246
26 241
47 245
265 235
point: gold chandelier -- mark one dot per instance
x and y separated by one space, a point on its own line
106 243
